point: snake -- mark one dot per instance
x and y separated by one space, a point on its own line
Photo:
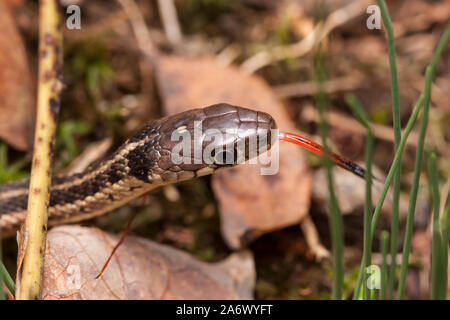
218 136
145 162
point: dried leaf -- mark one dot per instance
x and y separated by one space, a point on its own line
12 4
16 98
418 14
22 242
140 269
279 200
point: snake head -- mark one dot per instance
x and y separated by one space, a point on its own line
199 141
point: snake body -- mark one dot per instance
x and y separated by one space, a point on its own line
141 164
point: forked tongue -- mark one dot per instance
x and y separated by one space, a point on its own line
318 149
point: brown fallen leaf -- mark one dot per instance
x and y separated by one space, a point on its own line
416 15
250 203
12 4
16 97
140 269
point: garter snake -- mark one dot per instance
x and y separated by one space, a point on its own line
142 163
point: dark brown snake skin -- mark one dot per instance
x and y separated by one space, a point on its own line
141 164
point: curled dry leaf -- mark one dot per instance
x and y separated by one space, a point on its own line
140 269
250 203
16 98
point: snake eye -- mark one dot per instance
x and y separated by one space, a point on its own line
224 157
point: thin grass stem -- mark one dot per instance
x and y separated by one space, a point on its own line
397 136
429 76
436 273
2 292
9 282
335 215
394 166
445 229
384 245
358 110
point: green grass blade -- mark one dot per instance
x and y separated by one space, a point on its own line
394 166
7 279
436 273
396 162
357 291
2 293
445 229
413 198
358 110
429 76
384 244
335 215
397 137
4 275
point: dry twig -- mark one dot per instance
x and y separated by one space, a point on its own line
335 19
29 272
140 29
168 13
93 152
301 89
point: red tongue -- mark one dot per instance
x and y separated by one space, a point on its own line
302 142
318 149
